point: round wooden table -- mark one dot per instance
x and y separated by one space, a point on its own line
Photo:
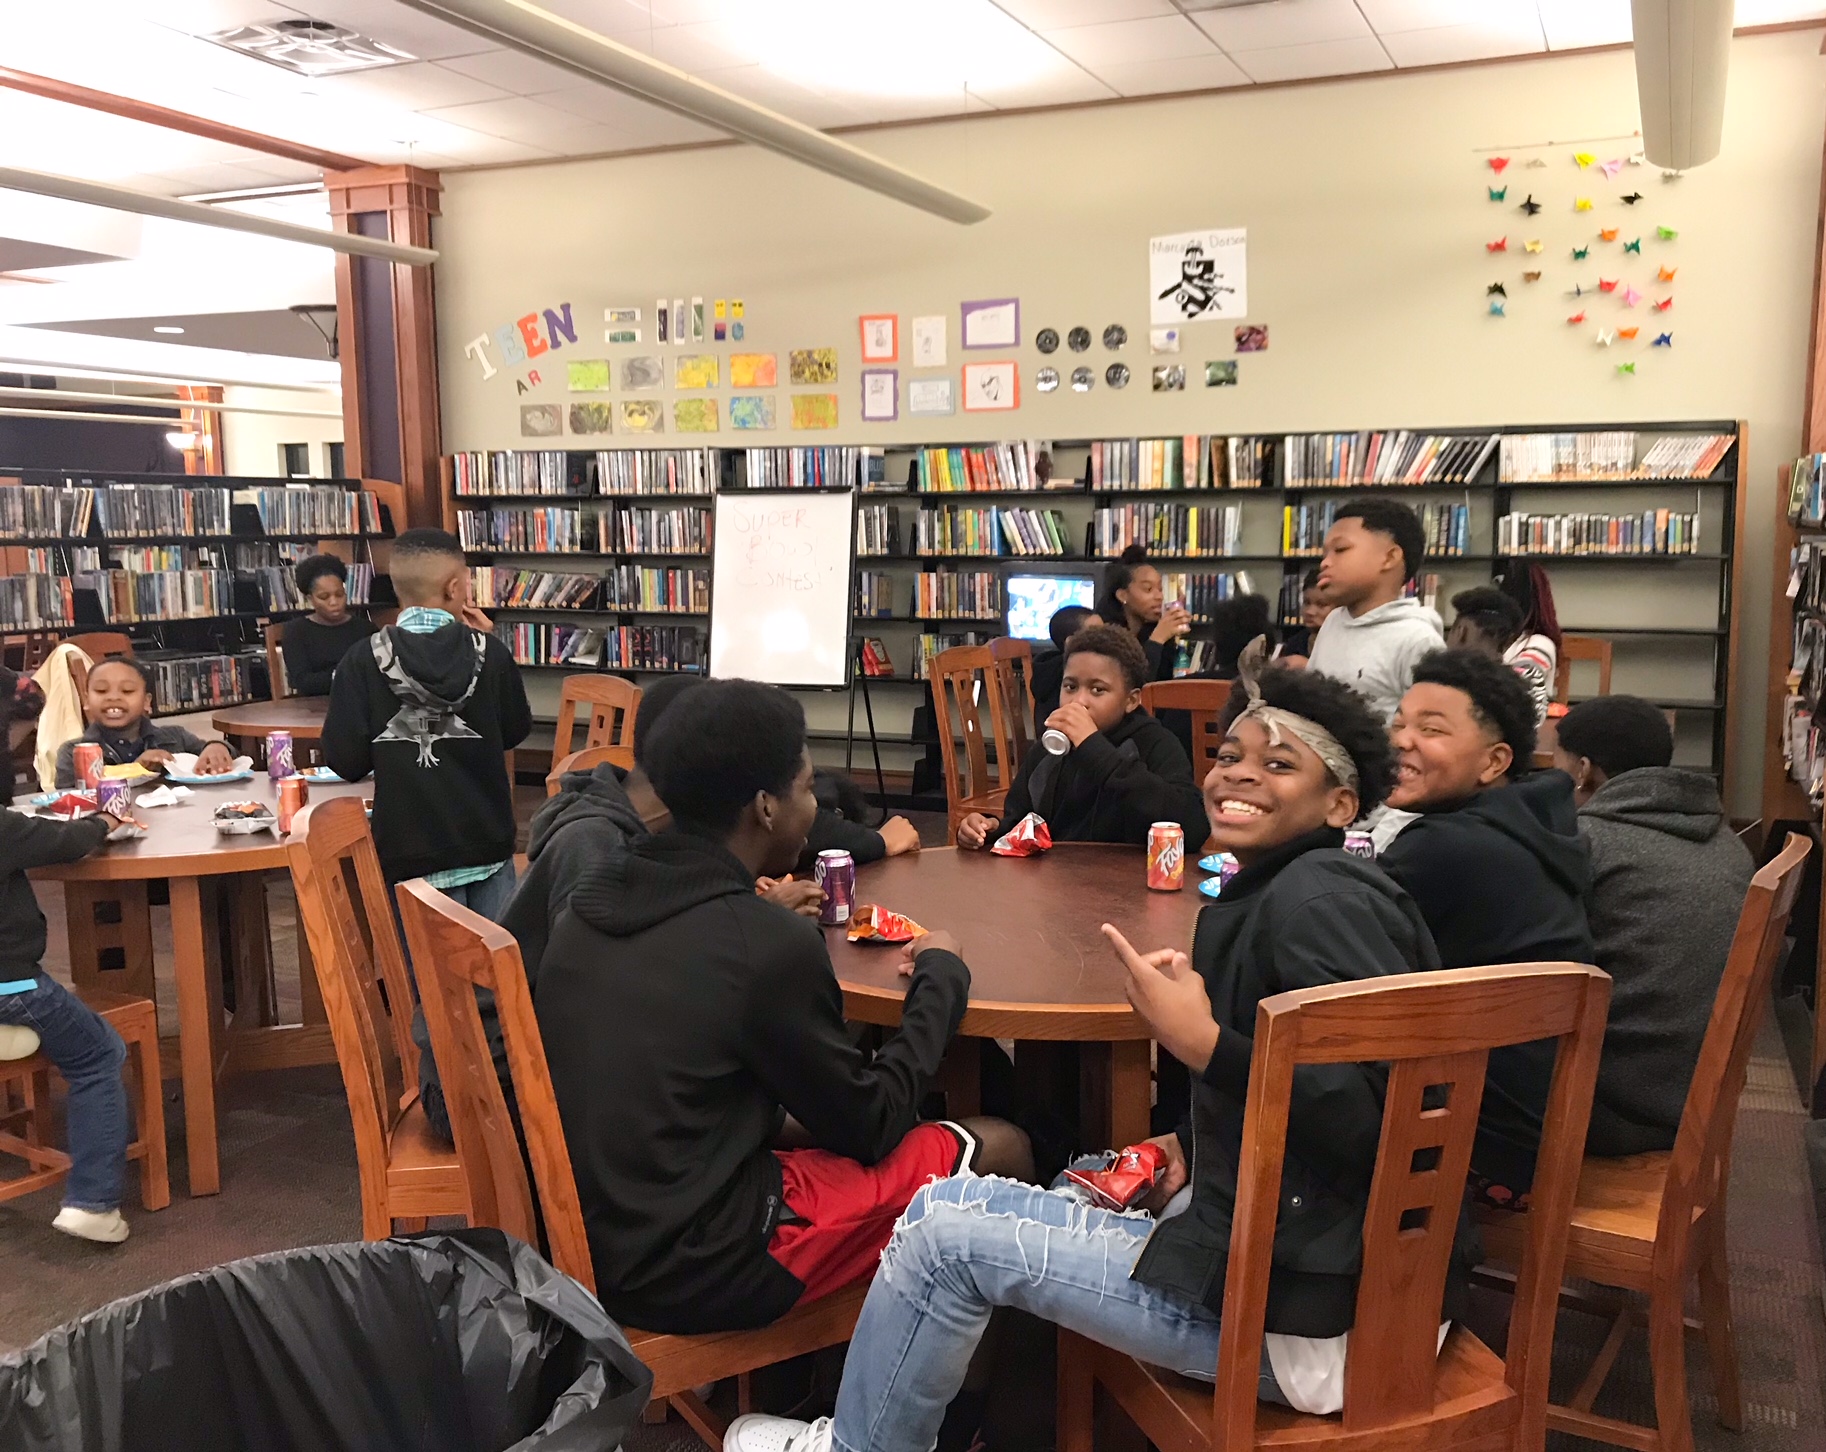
207 871
1040 968
300 715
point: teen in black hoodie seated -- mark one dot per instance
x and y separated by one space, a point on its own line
1295 770
1124 770
1497 865
685 1018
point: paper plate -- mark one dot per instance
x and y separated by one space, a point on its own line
1211 886
322 775
182 780
1216 862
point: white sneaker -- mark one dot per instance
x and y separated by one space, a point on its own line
756 1433
107 1226
17 1041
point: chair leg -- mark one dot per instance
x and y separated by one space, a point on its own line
1077 1394
1715 1307
154 1169
1668 1363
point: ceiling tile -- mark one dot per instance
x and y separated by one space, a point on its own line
1573 23
1322 58
1057 14
1059 84
1292 22
618 18
1774 12
646 124
515 118
421 86
207 17
703 46
1389 15
418 35
1181 73
1451 43
475 149
777 93
517 74
1165 38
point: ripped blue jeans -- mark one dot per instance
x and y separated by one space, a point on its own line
969 1244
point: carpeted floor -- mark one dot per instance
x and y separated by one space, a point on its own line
289 1179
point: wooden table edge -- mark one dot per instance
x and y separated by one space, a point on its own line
988 1018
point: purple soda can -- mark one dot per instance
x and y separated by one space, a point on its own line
1359 844
1230 869
113 797
279 755
835 872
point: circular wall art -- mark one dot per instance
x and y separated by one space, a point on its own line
1046 379
1046 340
1117 375
1083 380
1114 336
1078 339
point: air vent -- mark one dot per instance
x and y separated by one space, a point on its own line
311 47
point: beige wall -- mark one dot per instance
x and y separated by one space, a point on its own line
1367 220
251 441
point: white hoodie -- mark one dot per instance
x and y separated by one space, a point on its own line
1376 652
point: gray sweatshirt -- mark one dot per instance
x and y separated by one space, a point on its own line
1668 882
1376 652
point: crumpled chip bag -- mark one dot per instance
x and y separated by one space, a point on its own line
1135 1172
870 923
1027 838
71 806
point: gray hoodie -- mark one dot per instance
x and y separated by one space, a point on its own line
1376 652
1668 882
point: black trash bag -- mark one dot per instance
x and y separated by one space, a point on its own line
464 1341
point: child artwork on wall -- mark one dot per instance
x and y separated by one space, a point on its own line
1221 373
991 387
815 410
752 370
588 375
641 416
880 395
930 397
1169 378
881 338
592 418
640 374
541 421
1252 338
694 370
812 365
695 416
750 411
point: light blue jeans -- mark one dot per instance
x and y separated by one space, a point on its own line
969 1244
89 1055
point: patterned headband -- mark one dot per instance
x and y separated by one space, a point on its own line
1274 720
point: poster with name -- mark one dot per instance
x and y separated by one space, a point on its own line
1198 275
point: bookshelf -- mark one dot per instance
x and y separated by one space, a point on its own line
192 567
942 525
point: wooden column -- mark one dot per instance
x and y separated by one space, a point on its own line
206 455
387 334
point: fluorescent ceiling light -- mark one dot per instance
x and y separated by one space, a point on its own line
182 438
166 328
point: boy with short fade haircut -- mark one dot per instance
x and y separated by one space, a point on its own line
1668 882
1122 770
1375 635
685 1018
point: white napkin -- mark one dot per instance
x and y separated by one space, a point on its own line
164 796
186 763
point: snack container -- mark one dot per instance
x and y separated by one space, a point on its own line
87 761
240 819
1026 838
835 872
1166 857
293 795
278 754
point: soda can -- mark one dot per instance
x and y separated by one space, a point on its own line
1055 741
293 797
279 754
1166 857
1359 844
1230 869
87 761
113 797
835 872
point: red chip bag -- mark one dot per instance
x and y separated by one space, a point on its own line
70 806
1027 838
870 923
1136 1171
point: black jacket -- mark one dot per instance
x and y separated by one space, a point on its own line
120 747
1048 676
313 651
1110 789
1502 878
681 1014
1307 914
27 842
458 811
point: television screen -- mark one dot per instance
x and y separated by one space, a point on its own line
1033 599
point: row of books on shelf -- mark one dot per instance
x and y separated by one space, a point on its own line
1610 454
827 466
1652 532
313 509
984 468
626 587
616 647
36 602
129 596
555 529
958 595
993 531
124 511
152 509
160 583
1395 459
1807 491
519 471
1190 461
1167 529
193 682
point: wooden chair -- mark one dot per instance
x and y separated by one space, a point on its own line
587 760
1431 1029
1014 677
469 952
406 1173
1581 647
1652 1223
957 675
22 1121
98 646
612 705
275 662
1203 700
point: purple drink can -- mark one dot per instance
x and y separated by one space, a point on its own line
835 872
112 796
1230 869
279 754
1359 844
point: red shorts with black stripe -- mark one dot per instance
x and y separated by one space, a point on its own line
846 1211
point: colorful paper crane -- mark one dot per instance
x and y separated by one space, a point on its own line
1531 206
1531 277
1634 246
1607 234
1663 305
1579 254
1628 334
1534 246
1576 318
1630 297
1606 337
1498 193
1666 274
1632 199
1666 234
1607 284
1663 340
1629 368
1581 204
1496 289
1583 158
1496 306
1612 167
1500 245
1497 163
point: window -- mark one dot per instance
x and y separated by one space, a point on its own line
295 461
332 454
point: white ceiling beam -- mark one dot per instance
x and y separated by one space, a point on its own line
156 401
46 350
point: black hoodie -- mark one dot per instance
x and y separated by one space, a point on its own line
27 842
681 1014
1110 789
1502 878
458 812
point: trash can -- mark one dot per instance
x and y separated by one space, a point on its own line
465 1341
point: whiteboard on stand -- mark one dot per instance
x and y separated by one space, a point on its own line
781 586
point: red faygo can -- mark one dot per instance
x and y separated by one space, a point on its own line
293 797
87 761
1166 857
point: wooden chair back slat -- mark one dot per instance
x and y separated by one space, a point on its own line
1204 701
1014 676
610 703
1701 1160
98 645
1430 1029
588 759
957 675
1581 647
275 662
466 952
